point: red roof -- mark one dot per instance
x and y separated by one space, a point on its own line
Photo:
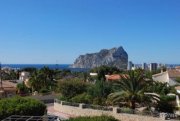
174 73
177 87
115 77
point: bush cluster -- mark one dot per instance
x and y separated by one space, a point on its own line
82 98
21 106
43 91
129 91
82 92
96 118
71 88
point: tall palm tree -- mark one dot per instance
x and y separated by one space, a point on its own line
42 79
35 81
161 88
131 89
47 75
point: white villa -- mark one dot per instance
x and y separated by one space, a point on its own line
170 78
165 77
93 74
24 76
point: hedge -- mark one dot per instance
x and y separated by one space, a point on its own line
96 118
21 106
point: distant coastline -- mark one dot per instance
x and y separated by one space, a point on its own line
39 66
59 66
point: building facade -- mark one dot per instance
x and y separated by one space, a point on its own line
130 65
144 66
153 66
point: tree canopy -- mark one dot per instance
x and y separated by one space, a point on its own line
131 89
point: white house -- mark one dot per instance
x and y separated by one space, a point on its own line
24 76
164 77
170 78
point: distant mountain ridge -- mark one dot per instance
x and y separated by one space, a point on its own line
116 57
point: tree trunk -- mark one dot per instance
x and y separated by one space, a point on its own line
133 106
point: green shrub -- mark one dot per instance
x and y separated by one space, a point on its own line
44 90
100 89
71 88
166 104
82 98
126 110
96 118
22 89
99 101
62 98
21 106
178 79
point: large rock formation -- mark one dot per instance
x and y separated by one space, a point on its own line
116 57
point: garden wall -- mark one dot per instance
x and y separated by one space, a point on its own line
79 110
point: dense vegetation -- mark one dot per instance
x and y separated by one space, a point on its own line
83 92
42 79
178 79
71 87
96 118
131 89
10 75
127 93
45 79
22 89
21 106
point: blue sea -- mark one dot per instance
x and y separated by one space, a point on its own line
58 66
51 66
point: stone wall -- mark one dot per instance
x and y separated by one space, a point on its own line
80 111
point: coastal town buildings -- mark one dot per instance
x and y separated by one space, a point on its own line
144 66
153 66
130 65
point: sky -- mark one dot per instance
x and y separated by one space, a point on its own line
58 31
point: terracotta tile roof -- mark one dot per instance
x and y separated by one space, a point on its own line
174 73
115 77
177 87
9 86
177 67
